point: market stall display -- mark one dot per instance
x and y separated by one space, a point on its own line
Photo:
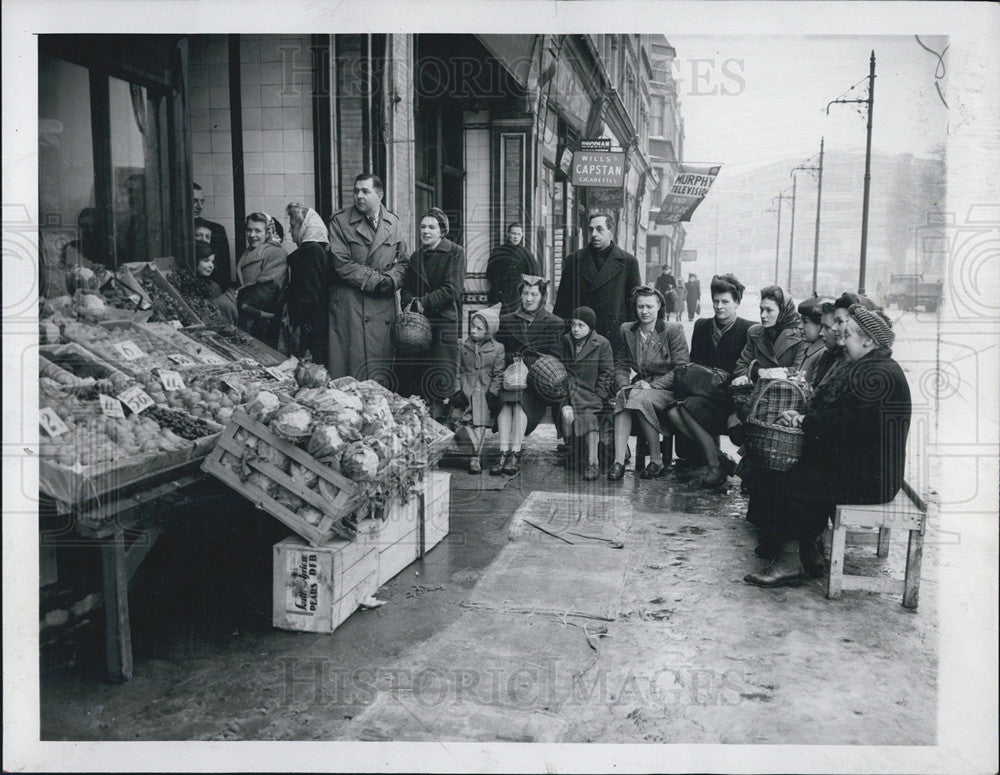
236 344
166 302
197 296
135 349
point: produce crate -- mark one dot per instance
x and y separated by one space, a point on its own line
316 588
181 342
150 271
344 502
441 438
238 345
158 358
76 364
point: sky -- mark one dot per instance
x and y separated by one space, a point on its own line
770 95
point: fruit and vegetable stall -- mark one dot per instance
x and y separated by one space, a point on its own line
145 391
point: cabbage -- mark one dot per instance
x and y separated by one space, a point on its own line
292 422
311 375
311 515
359 462
328 399
263 407
377 415
348 422
326 444
261 482
302 475
288 499
272 455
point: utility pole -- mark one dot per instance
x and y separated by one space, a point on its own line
819 199
777 238
715 267
817 168
791 240
870 103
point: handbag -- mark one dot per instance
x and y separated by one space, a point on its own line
693 379
515 376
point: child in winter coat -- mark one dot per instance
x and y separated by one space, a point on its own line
480 378
591 368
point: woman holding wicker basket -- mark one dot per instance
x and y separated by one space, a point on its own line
854 430
528 335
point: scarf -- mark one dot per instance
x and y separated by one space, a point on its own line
788 317
601 256
718 333
313 229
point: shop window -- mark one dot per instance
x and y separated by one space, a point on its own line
512 184
66 197
134 173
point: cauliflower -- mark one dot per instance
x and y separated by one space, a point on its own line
328 399
311 375
263 407
311 515
359 462
292 422
377 414
288 499
348 422
261 482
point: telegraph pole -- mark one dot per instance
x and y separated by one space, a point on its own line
791 240
819 198
870 103
777 238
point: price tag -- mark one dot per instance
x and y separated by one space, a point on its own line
274 373
171 380
111 407
51 423
232 384
288 366
208 356
129 350
175 324
181 359
136 399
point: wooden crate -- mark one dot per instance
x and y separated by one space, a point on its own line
412 529
334 511
316 588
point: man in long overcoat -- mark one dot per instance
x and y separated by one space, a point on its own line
602 276
369 258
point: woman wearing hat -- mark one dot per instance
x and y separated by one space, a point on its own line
528 333
433 285
652 348
591 367
855 432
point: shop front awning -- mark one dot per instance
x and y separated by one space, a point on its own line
514 52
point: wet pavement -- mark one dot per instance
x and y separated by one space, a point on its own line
507 633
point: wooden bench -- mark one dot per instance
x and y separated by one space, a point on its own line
906 511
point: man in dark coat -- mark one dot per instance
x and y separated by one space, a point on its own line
855 445
692 289
665 281
368 257
602 276
223 273
504 269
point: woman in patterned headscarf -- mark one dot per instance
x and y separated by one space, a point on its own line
777 342
306 319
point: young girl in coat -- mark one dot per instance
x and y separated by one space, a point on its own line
591 368
480 378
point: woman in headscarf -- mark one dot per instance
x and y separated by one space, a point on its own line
527 333
855 427
305 322
776 343
433 285
652 349
261 273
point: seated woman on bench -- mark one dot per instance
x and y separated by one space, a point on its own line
854 449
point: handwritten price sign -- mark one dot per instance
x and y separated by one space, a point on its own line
111 407
171 380
129 350
136 399
211 358
51 423
181 359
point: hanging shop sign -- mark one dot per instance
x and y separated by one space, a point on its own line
689 189
604 198
596 144
689 255
599 168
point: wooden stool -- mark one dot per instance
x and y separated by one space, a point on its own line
907 510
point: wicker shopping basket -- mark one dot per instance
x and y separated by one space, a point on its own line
550 378
777 447
411 332
515 376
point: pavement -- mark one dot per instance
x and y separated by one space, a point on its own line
632 624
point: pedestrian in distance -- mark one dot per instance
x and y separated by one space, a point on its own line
507 263
526 334
652 349
591 368
692 289
368 257
601 276
432 285
305 324
480 380
665 281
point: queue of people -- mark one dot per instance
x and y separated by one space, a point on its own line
628 368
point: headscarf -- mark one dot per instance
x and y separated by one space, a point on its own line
528 280
313 229
788 316
874 324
